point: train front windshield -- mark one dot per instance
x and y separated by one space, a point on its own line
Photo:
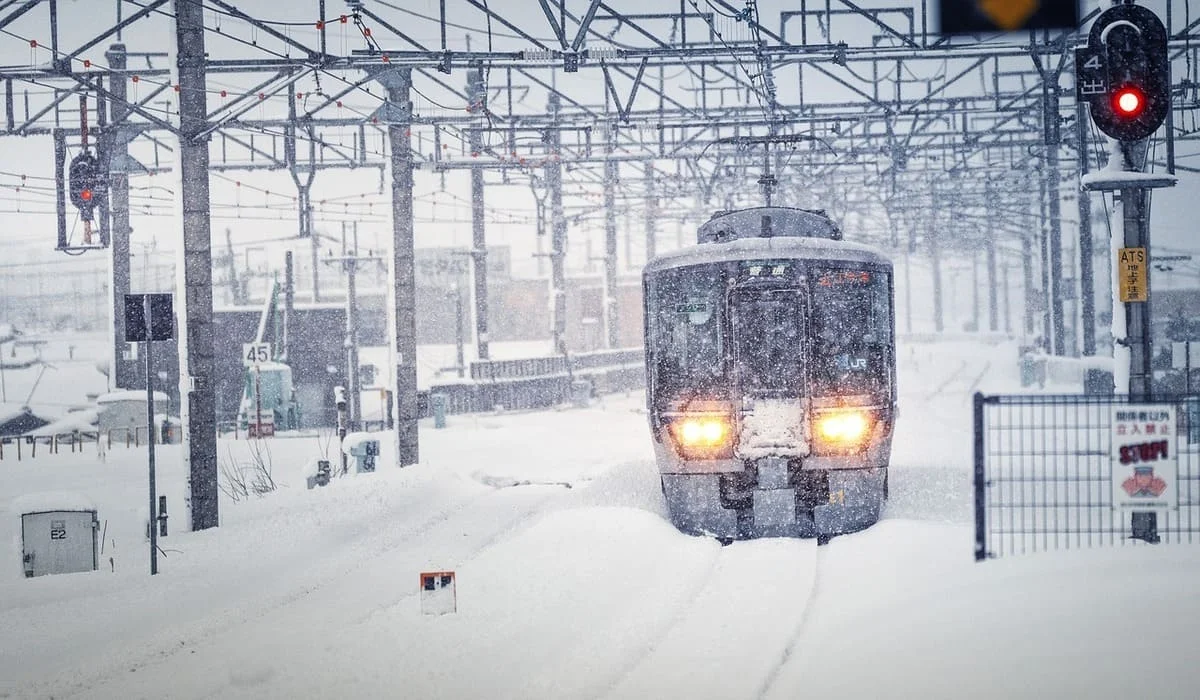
850 331
830 337
686 313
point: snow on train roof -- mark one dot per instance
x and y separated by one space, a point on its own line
752 248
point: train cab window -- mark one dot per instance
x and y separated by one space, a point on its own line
851 331
768 332
686 321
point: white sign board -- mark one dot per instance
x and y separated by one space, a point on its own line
438 595
1144 464
255 354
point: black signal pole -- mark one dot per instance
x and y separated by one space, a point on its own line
149 345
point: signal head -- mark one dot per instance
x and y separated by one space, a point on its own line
1125 74
1129 102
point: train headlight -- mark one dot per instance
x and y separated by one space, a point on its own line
843 429
702 437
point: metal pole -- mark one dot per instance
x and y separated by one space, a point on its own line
611 321
1007 308
975 291
258 431
935 260
478 95
289 303
912 245
1027 280
195 269
352 387
1137 314
1056 267
1187 367
652 213
117 148
149 344
340 401
558 237
1143 524
978 481
993 291
1044 261
60 183
460 361
1052 138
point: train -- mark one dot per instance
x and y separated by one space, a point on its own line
771 377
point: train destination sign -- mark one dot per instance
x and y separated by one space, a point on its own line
1144 464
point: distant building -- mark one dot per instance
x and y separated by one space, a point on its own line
18 421
124 412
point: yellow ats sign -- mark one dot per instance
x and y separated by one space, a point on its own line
1131 273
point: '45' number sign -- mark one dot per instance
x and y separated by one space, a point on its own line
255 354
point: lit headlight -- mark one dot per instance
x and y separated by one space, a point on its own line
702 436
844 428
707 431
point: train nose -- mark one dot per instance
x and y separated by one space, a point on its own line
772 428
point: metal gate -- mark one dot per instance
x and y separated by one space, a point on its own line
1061 472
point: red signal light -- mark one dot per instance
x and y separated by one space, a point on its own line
1129 102
86 195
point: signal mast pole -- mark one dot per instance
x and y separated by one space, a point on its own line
1124 75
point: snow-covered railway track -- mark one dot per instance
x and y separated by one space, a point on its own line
732 636
375 571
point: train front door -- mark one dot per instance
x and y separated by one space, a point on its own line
768 342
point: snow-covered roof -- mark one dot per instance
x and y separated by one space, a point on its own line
43 501
82 421
779 221
12 411
774 247
8 413
129 395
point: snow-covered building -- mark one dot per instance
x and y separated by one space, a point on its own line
124 412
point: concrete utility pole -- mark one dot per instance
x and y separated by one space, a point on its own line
651 213
349 262
289 303
397 112
558 235
116 148
1086 283
989 245
611 322
478 96
935 268
196 335
1053 138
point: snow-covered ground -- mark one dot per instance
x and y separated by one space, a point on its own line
571 584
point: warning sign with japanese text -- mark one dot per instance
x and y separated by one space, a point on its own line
1131 274
1144 465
